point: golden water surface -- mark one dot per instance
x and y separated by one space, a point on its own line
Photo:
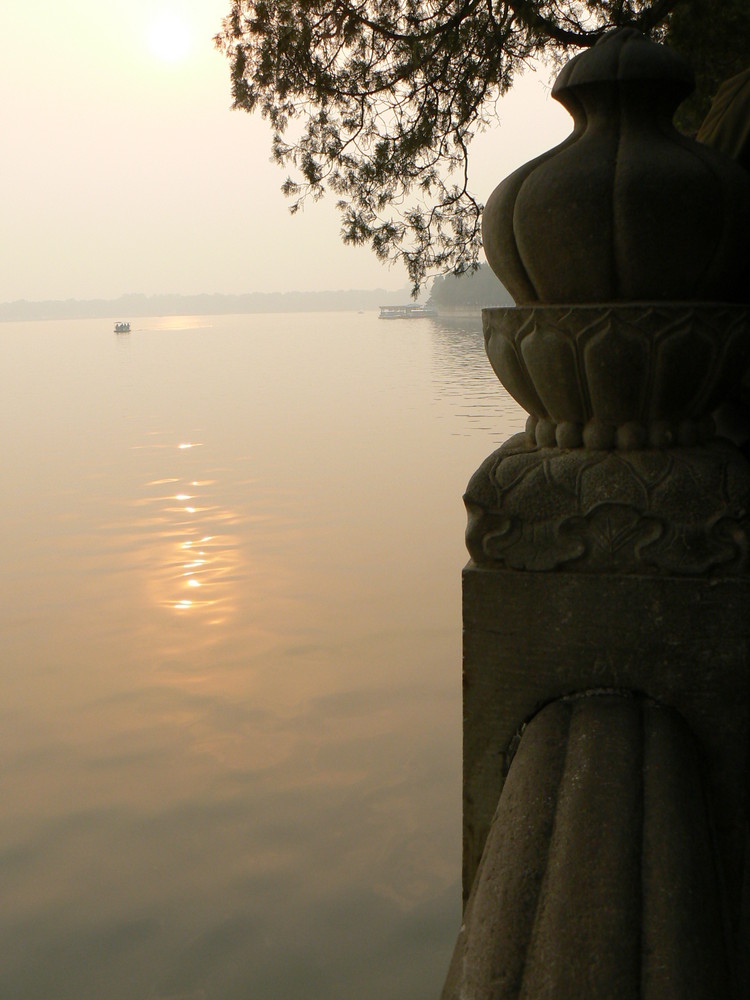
230 654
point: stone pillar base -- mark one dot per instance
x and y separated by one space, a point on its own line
533 638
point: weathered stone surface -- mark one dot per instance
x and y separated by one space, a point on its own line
677 511
610 375
626 208
599 877
727 124
607 604
533 638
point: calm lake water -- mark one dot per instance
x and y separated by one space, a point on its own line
230 654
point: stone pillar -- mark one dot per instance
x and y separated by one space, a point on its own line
607 599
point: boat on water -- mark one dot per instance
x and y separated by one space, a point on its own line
407 312
122 327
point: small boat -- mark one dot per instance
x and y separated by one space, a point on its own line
122 327
407 312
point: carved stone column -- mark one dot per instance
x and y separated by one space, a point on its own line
607 600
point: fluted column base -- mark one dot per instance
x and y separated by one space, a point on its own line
599 878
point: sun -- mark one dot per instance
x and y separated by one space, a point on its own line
169 37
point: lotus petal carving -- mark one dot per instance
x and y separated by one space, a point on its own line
619 375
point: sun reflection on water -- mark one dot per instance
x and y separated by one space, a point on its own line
196 562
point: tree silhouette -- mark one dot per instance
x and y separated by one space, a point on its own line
377 101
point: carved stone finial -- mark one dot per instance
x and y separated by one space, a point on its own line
627 246
626 208
606 601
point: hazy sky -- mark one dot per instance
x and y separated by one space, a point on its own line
124 168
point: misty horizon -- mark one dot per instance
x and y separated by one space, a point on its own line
125 166
138 304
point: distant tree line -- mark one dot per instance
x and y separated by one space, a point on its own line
128 306
470 291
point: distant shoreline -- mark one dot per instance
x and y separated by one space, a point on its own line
128 306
